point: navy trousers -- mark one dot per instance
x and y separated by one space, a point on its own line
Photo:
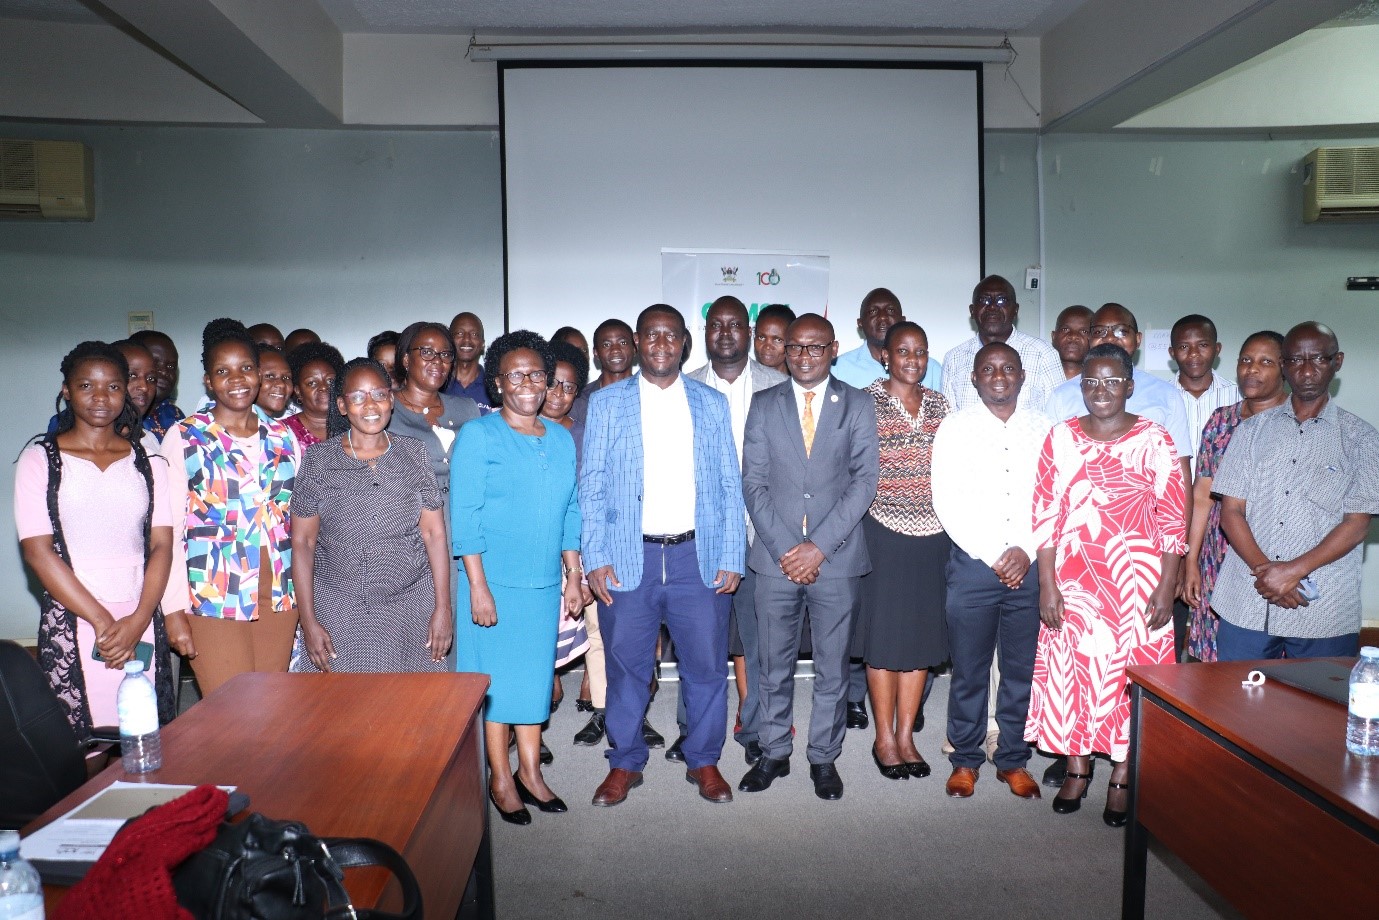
673 593
984 616
1236 643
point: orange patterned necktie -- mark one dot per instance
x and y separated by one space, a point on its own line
807 423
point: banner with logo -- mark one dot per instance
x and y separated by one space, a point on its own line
691 279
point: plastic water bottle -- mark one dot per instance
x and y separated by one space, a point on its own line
21 890
1362 728
141 750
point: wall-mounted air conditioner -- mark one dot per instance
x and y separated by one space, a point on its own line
1341 183
46 180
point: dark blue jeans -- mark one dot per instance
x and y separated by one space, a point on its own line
672 592
1236 643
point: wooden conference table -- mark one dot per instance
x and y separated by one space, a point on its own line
397 757
1254 790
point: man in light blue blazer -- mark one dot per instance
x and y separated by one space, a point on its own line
664 541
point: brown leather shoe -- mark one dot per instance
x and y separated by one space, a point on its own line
712 786
1020 781
613 790
962 783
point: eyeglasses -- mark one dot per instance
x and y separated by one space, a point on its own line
516 377
1000 300
430 354
1112 384
814 351
1314 360
569 389
1113 332
359 397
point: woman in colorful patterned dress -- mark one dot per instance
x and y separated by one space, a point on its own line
901 629
232 469
1109 523
1259 372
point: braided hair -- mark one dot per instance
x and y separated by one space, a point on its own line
493 357
127 424
219 331
337 424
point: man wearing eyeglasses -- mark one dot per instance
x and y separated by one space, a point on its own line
810 464
1298 484
664 541
994 310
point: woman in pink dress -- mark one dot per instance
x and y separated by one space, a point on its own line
91 509
314 368
1109 523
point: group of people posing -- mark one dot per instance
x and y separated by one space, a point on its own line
439 504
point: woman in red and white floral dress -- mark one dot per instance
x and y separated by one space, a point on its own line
1109 523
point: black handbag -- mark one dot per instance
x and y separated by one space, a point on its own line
261 869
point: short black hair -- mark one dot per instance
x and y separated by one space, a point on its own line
337 424
664 309
904 326
778 311
728 300
564 332
814 316
1193 319
1112 351
304 354
261 350
505 344
612 323
404 344
1271 335
574 357
127 424
143 336
220 331
384 338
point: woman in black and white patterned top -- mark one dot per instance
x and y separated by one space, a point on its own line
369 554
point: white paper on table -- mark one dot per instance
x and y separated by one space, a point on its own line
83 833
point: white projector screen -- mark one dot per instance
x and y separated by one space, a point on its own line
878 167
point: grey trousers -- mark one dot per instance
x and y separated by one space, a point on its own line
781 604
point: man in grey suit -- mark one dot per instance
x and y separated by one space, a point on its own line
810 465
732 372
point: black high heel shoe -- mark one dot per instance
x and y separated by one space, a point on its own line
552 806
1064 806
890 770
1115 818
520 817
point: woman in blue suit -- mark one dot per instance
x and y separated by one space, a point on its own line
514 520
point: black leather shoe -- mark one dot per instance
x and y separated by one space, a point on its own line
890 770
752 752
763 773
828 785
584 705
592 733
1115 818
918 769
521 816
553 805
547 757
1056 773
651 736
857 715
1066 806
674 752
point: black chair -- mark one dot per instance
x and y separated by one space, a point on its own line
43 760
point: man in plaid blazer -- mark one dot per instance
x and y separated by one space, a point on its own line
664 541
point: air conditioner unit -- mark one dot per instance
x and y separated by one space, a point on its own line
46 180
1341 183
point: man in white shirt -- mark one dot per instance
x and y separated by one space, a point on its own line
994 310
1195 347
732 372
984 471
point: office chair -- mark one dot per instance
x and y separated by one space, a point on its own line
43 761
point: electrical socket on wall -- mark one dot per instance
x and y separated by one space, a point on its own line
1034 277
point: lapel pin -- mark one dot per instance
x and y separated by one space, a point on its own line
833 398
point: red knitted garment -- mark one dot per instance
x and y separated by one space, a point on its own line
133 877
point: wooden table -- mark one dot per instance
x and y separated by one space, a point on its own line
1254 790
397 757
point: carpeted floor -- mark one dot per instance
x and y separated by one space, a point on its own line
887 849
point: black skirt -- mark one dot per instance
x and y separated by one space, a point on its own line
901 625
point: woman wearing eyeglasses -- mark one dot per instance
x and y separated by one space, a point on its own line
369 558
425 354
514 521
1109 523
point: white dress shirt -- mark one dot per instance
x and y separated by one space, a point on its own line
984 472
739 395
667 459
1199 408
